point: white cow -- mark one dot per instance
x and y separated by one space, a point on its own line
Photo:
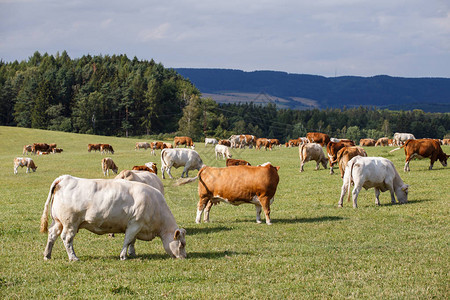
401 138
141 145
222 151
373 172
235 141
142 176
179 157
211 141
312 151
109 206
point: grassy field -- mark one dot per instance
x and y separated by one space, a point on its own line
313 249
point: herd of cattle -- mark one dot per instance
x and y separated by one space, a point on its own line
133 203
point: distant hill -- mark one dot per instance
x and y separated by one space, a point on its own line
300 91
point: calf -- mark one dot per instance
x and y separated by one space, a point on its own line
312 151
107 164
27 149
109 206
105 148
57 150
236 162
24 162
222 151
373 172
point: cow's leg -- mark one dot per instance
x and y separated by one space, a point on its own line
317 165
206 211
131 249
355 194
28 170
200 208
377 196
53 232
265 203
258 213
168 168
302 163
130 238
67 235
343 192
15 169
408 158
163 168
331 169
431 163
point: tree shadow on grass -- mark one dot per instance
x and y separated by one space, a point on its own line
308 220
205 230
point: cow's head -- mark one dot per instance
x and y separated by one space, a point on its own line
443 159
176 247
402 193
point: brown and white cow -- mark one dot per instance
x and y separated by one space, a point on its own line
236 162
43 147
225 143
157 145
149 167
95 147
312 151
236 185
317 137
105 148
422 148
333 148
367 142
24 162
263 142
446 142
57 150
345 154
383 142
141 145
183 140
27 149
108 164
168 145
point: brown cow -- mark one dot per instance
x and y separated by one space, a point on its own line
225 143
95 147
333 148
345 154
168 145
157 146
317 137
24 162
422 148
43 147
57 150
51 147
446 142
293 143
27 149
263 142
150 167
105 148
236 162
107 164
236 185
384 141
183 140
367 142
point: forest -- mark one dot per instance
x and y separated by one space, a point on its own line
118 96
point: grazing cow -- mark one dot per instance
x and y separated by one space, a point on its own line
293 143
235 141
236 162
142 176
317 137
141 145
95 147
105 148
263 142
211 141
24 162
107 164
57 150
236 185
183 140
247 140
149 167
446 142
333 148
110 206
367 142
423 148
384 141
157 146
401 138
222 151
345 154
390 142
225 143
27 149
373 172
312 151
188 158
43 147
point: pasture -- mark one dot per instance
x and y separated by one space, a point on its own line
313 249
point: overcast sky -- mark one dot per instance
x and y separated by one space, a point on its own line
409 38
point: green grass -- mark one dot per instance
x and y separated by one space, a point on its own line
313 249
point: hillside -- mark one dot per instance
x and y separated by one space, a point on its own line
301 91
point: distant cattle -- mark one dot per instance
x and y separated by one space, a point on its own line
27 149
345 154
187 158
446 142
183 140
150 167
312 151
401 138
108 164
43 147
236 162
168 145
211 141
236 185
222 151
367 142
317 137
142 176
157 146
57 150
263 142
95 147
333 148
373 172
141 145
293 143
384 141
225 143
423 148
106 148
24 162
109 206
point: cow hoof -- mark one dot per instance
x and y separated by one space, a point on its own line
340 205
258 222
268 223
46 258
74 259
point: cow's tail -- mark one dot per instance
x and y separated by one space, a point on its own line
350 180
397 149
301 151
183 181
44 217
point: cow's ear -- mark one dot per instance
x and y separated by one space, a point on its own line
177 234
277 168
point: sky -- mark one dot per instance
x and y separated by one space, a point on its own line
406 38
